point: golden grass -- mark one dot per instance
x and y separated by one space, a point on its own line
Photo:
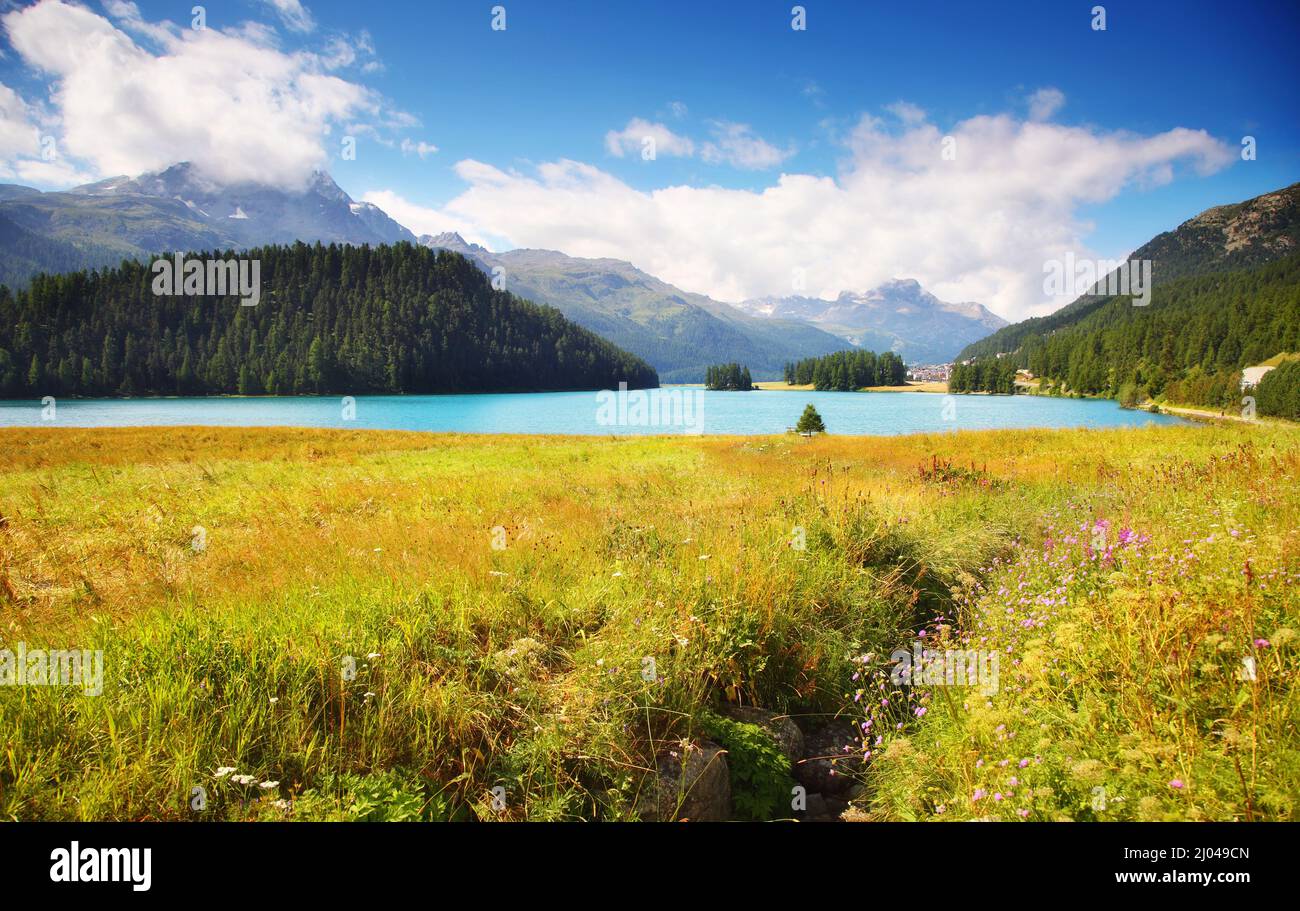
319 543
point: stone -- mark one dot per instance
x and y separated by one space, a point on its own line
826 767
816 810
693 785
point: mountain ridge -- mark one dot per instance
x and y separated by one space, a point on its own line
680 332
898 315
1223 238
178 209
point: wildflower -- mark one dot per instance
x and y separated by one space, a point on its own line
243 779
223 771
1022 812
268 785
980 794
283 804
1177 784
274 700
1261 643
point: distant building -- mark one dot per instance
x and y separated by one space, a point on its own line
929 373
1251 376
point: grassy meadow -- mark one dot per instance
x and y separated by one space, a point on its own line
382 625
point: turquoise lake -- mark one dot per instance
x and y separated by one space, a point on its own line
674 410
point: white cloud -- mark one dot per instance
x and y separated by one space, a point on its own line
339 53
734 144
1045 102
343 50
424 220
295 16
678 109
19 135
737 145
29 154
977 228
632 139
907 112
423 149
230 102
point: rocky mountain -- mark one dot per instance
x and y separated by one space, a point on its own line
1225 238
177 209
678 332
899 316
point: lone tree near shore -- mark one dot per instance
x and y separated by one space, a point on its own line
810 421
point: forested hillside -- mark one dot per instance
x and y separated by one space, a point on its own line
1188 346
24 253
1223 239
336 319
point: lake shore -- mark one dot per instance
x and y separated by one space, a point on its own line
1208 415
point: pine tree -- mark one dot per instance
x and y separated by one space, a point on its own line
810 421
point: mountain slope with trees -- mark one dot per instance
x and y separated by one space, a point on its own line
1226 296
1222 239
679 332
1189 346
340 320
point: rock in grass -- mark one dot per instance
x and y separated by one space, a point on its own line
694 784
827 767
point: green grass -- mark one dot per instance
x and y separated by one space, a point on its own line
521 668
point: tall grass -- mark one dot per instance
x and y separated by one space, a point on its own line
348 635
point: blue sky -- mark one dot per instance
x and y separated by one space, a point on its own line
562 75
